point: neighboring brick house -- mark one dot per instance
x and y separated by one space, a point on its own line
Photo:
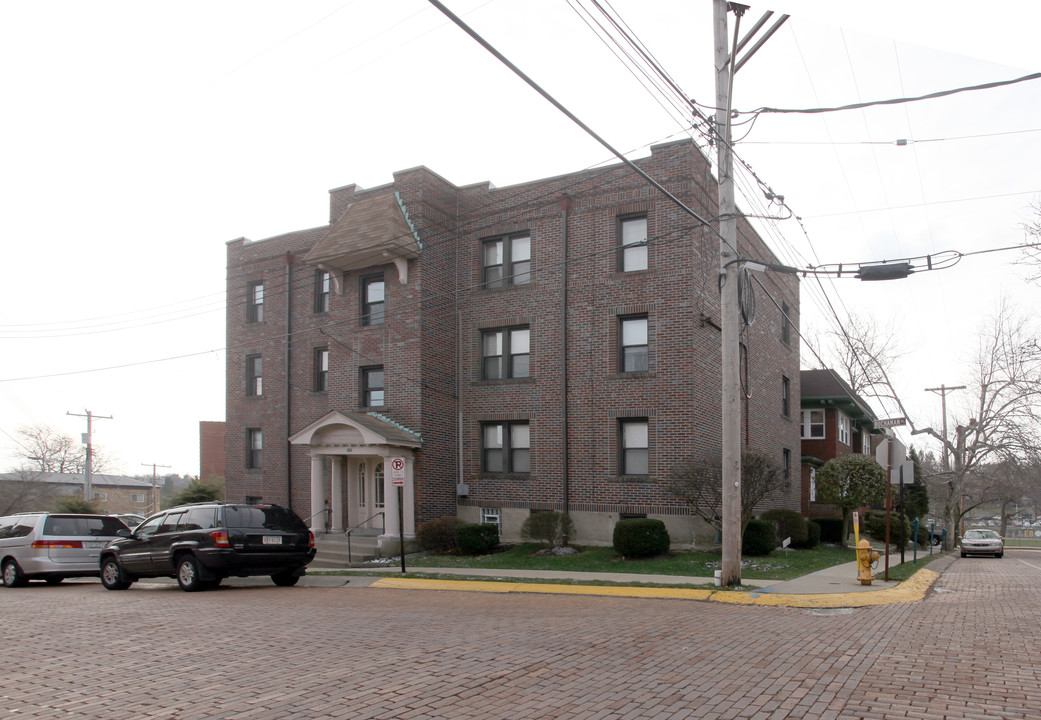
498 351
835 422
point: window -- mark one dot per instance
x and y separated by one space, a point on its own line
634 435
865 442
254 448
786 463
844 434
254 375
633 334
632 243
372 300
812 424
322 287
255 302
492 516
321 369
137 497
786 325
361 484
372 386
786 393
506 261
505 353
505 447
100 496
379 490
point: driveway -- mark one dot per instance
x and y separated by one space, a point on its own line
257 652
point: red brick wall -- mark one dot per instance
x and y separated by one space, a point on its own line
430 344
211 449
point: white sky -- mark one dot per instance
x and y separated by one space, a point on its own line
138 138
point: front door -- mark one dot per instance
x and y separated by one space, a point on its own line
368 494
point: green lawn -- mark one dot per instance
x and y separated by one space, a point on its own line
779 565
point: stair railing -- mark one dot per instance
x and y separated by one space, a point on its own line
328 518
348 531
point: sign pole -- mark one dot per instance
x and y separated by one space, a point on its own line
401 525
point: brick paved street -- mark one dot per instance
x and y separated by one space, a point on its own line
970 650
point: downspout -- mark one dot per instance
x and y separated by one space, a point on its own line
288 375
566 203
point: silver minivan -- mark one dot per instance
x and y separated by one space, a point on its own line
53 546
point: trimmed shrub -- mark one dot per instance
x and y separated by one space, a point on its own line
789 524
476 538
760 538
640 538
831 529
813 535
438 535
549 528
925 538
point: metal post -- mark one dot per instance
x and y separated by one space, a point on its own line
401 524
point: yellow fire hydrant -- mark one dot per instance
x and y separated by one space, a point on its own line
865 556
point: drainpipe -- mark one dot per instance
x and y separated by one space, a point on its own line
288 375
566 203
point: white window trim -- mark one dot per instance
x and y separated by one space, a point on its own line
807 424
845 429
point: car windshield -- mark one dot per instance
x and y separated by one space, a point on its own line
268 517
981 535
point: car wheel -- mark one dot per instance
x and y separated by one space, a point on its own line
285 579
112 576
963 554
53 580
188 574
1000 555
13 575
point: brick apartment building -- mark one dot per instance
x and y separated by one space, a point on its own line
499 351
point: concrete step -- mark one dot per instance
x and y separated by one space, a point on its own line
333 550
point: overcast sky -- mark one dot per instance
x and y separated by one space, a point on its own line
138 138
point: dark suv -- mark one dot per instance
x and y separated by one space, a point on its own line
203 543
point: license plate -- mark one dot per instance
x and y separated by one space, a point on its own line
94 543
272 539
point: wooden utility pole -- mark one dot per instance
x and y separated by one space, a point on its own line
155 485
88 462
942 392
731 266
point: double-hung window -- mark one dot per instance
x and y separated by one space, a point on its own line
633 350
786 393
372 300
812 424
632 243
505 353
506 261
634 441
844 430
372 386
255 302
786 325
322 290
321 369
505 447
254 375
254 448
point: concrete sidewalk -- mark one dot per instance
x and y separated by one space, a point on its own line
830 588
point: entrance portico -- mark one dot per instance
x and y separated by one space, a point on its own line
351 478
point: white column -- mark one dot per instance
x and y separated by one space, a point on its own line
317 493
337 494
390 495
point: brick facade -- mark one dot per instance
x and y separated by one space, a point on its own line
576 393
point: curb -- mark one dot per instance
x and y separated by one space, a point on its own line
911 590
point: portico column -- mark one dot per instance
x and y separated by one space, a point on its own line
390 495
337 494
410 499
317 493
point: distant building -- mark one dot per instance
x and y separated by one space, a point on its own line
112 493
211 450
497 352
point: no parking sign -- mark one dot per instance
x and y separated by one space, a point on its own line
397 471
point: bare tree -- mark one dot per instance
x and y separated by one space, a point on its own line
1031 255
51 451
1001 424
25 492
700 485
864 353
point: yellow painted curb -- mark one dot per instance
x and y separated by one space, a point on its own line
910 590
